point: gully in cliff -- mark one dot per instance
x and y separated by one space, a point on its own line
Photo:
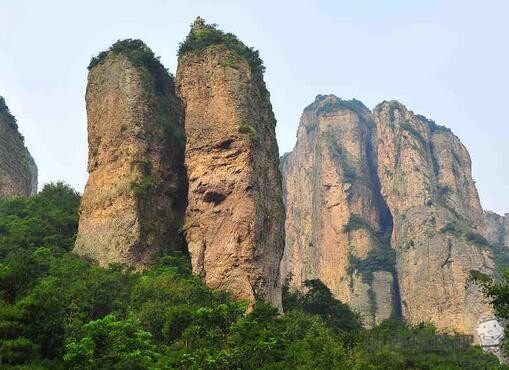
381 206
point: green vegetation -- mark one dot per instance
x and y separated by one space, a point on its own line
497 293
48 219
444 190
464 231
229 61
381 258
432 124
144 186
246 129
378 259
141 56
333 106
57 311
416 134
158 84
317 299
461 230
203 36
372 301
341 159
9 118
356 222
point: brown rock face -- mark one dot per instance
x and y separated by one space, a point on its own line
382 208
336 224
235 215
134 200
18 172
425 178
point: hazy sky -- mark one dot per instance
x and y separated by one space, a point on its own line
447 60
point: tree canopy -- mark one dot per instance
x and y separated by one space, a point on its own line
58 311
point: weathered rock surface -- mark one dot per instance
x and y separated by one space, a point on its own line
382 207
133 205
336 221
235 217
425 176
18 171
496 229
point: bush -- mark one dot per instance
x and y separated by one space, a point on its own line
9 118
141 56
59 311
246 129
465 231
333 106
204 35
48 219
356 222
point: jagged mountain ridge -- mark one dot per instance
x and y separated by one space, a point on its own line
408 240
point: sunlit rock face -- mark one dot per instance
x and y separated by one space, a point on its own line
234 224
381 206
425 177
337 225
133 205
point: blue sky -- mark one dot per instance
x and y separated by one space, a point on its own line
447 60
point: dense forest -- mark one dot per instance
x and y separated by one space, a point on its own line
59 311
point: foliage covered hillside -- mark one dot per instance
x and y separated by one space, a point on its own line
58 311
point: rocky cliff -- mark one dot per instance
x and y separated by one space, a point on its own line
382 207
18 171
337 225
234 223
495 227
133 205
425 177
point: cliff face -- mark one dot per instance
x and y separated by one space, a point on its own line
425 178
235 215
18 171
134 200
382 207
337 225
496 229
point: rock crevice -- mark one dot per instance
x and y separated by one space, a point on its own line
382 204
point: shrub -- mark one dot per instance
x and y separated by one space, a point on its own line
9 118
141 56
246 129
414 133
333 106
466 232
356 222
204 35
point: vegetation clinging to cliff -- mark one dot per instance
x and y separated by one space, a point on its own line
204 35
141 56
335 104
10 119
